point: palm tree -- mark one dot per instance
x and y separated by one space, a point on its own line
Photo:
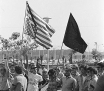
13 38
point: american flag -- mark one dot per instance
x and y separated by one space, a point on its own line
37 28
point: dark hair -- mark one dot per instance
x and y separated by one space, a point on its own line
18 69
32 67
92 69
4 69
57 68
51 72
91 86
100 64
83 66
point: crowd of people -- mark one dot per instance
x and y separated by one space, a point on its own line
73 77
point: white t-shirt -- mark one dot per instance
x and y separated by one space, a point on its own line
4 82
84 78
34 79
45 88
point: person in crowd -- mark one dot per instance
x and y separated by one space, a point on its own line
68 82
74 71
41 69
44 84
100 67
26 78
12 70
33 78
52 86
82 81
5 77
92 78
44 68
100 84
75 74
59 74
20 81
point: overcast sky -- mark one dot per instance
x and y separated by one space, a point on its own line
89 14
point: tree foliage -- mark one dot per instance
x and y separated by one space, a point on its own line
96 54
5 43
17 47
14 35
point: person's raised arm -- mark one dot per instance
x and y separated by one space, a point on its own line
7 68
23 67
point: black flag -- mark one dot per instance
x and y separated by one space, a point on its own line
72 37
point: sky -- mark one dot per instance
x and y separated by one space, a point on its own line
89 14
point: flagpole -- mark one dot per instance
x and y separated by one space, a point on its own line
39 52
31 55
24 24
23 37
47 20
43 51
48 59
54 53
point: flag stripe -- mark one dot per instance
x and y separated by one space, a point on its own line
28 28
40 34
38 18
44 41
42 44
42 25
41 30
37 28
43 36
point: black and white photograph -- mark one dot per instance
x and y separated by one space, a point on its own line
51 45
